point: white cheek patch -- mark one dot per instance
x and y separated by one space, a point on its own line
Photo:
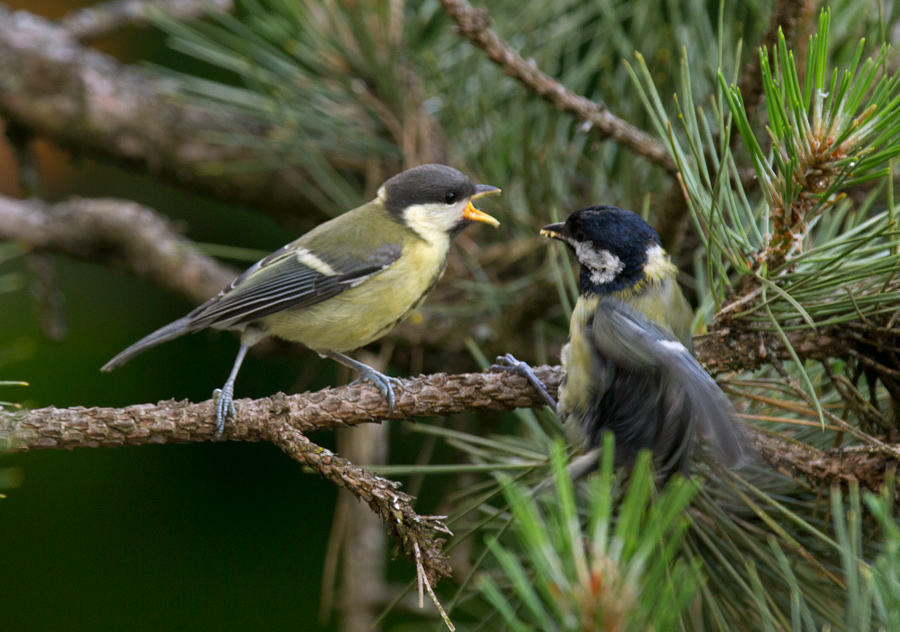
604 265
433 222
310 260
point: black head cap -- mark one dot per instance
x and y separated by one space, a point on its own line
593 232
427 184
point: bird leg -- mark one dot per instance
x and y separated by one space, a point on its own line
381 381
510 364
225 395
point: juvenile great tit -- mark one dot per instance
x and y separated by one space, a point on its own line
345 283
628 363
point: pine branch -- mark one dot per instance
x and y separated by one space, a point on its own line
118 233
181 422
869 466
416 535
101 20
283 420
81 98
474 25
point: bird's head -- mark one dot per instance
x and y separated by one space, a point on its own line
435 200
616 248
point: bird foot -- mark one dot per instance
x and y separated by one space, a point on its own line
384 384
509 364
224 406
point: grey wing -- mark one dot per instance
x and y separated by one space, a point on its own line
289 278
690 397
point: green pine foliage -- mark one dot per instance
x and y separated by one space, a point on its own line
794 215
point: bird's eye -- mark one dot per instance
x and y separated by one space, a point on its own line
450 198
579 235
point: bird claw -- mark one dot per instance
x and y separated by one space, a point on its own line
384 384
508 363
224 407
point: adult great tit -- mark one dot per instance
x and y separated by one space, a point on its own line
345 283
628 363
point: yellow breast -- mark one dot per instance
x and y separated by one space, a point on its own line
364 313
577 358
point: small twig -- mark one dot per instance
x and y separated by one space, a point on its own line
474 25
101 20
422 578
413 533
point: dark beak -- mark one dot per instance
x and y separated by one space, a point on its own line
485 189
554 231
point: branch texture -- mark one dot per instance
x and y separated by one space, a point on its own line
474 25
182 422
283 420
54 86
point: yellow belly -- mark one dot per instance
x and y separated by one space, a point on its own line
364 313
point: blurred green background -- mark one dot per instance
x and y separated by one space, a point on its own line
194 537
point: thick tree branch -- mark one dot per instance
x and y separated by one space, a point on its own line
119 233
182 422
106 18
54 86
283 420
474 25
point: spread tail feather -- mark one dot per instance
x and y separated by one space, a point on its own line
170 331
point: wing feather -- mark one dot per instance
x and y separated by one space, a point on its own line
687 397
284 280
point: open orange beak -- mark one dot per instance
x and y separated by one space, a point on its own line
473 214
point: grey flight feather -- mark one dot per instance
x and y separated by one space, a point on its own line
661 393
279 282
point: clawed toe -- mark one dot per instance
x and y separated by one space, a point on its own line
224 409
383 383
508 363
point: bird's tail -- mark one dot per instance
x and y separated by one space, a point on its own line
170 331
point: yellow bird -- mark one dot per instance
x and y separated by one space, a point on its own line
345 283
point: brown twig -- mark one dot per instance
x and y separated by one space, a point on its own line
120 233
416 535
867 465
106 18
474 25
285 420
84 99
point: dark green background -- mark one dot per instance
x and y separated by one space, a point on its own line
195 537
